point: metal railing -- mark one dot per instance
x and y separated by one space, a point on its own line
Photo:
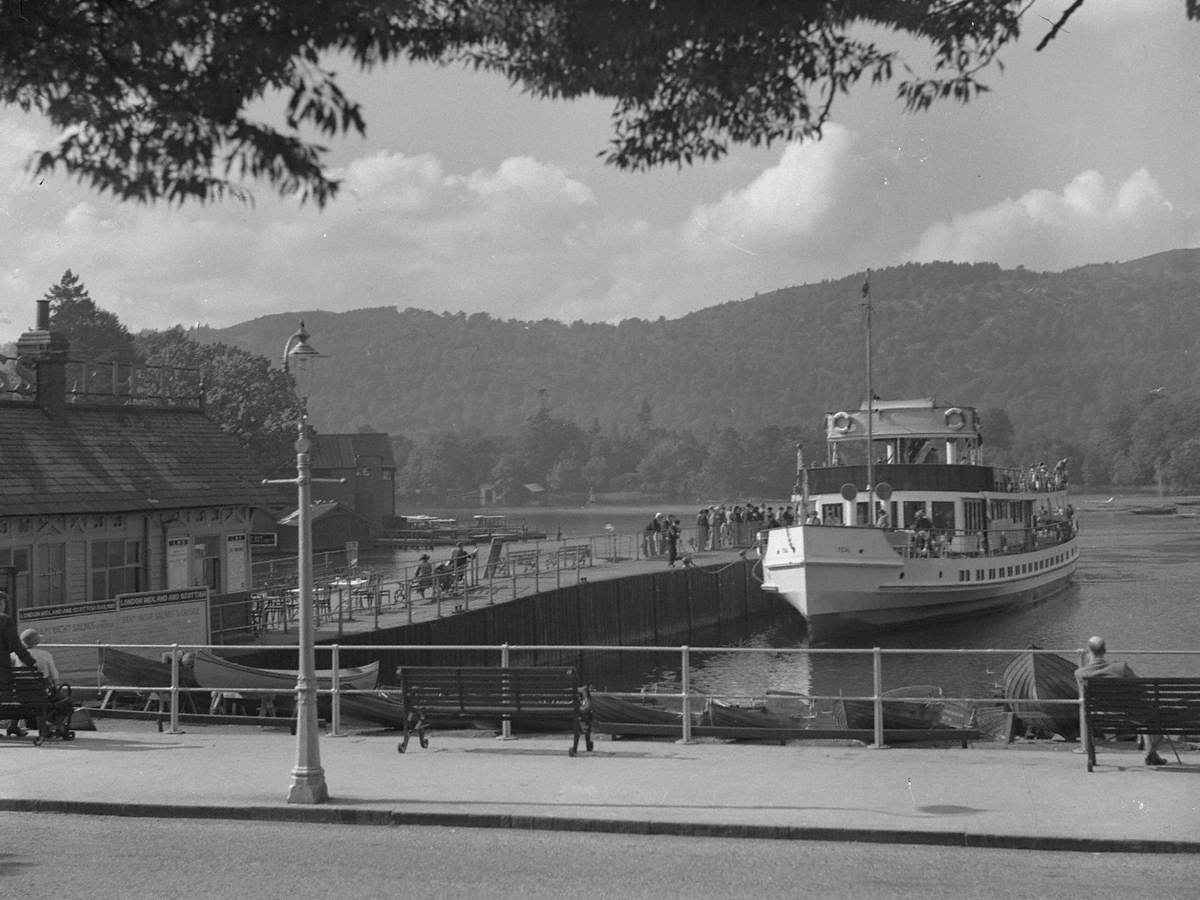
345 593
686 697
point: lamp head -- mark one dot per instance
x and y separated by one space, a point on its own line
298 358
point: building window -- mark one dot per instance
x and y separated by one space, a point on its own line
116 568
15 560
50 575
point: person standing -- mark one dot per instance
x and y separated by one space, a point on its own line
672 539
423 577
11 649
1098 665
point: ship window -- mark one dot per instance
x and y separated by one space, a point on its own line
979 574
831 514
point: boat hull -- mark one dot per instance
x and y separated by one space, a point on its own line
902 714
1031 678
213 672
844 579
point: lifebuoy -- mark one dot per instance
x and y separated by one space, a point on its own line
843 422
955 418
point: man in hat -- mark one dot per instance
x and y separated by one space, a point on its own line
11 649
1099 666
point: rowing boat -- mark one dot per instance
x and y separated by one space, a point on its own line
214 672
121 669
1035 677
925 711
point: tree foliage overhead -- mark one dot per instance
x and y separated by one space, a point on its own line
153 98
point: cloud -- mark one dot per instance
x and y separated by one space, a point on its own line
787 203
1088 221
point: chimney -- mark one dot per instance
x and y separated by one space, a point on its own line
47 352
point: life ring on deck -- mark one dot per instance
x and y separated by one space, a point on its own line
843 422
955 418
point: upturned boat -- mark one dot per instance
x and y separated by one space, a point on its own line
1032 677
215 672
904 523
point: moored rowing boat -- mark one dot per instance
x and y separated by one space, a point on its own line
217 673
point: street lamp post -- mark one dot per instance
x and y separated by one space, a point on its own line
308 778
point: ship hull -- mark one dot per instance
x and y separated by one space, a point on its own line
854 579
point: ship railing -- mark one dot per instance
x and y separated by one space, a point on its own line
956 543
875 675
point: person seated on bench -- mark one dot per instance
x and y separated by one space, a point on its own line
30 637
1099 666
12 650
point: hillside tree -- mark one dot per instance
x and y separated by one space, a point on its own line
246 395
96 334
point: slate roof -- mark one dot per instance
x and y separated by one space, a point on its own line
104 459
341 451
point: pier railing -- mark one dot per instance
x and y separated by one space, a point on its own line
492 573
683 694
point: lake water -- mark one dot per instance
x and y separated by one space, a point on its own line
1137 584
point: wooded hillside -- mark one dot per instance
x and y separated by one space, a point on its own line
1056 351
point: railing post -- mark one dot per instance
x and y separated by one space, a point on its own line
505 724
174 729
685 680
877 688
1085 741
335 719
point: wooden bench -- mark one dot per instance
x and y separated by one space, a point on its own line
1166 706
574 556
520 562
534 692
30 696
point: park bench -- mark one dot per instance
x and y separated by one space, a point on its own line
1114 706
533 692
519 562
30 696
574 556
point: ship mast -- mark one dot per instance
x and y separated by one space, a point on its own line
866 292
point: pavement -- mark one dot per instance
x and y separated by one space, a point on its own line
1030 795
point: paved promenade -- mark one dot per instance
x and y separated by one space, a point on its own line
1036 796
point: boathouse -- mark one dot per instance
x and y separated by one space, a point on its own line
115 484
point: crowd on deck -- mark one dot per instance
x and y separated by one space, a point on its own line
718 527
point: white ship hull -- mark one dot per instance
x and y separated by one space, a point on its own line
857 578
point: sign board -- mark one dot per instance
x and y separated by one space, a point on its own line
264 539
152 617
179 562
237 563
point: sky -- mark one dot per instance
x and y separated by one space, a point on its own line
468 195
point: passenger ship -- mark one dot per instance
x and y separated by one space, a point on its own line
995 537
